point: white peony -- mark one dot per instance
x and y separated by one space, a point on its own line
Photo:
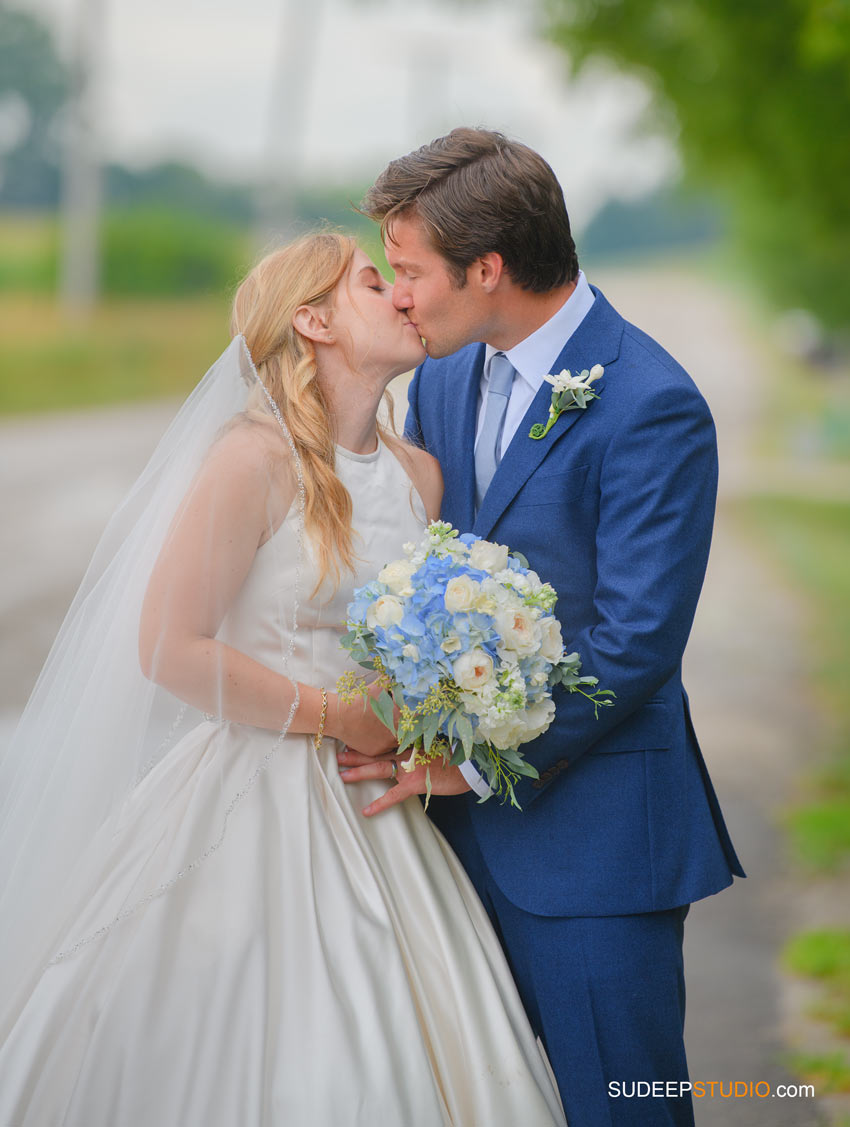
516 625
488 557
387 610
538 717
520 727
506 732
473 669
461 593
551 642
397 575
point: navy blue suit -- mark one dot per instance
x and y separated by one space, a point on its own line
614 508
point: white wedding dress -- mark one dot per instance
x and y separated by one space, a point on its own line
319 969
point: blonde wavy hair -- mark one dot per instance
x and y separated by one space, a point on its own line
305 272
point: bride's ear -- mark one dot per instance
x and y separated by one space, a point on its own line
311 321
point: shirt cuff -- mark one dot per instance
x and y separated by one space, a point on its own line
478 783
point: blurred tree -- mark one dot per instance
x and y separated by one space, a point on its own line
175 185
760 94
34 87
669 219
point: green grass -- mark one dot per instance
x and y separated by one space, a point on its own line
28 253
812 540
829 1072
135 346
824 956
128 350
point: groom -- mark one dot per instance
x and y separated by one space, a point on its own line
588 886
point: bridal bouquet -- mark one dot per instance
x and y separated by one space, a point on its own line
463 639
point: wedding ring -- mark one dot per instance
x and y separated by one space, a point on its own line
394 769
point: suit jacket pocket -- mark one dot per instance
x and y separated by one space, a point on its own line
648 729
544 488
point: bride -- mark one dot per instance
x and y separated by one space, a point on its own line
199 925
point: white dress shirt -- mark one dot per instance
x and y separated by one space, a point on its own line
533 358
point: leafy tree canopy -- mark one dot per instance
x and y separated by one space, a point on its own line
759 92
32 78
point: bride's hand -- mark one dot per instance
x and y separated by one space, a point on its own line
354 768
357 726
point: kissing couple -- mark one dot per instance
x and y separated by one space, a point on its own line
222 902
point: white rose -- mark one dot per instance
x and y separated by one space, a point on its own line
488 557
516 627
473 669
397 575
461 593
551 642
387 610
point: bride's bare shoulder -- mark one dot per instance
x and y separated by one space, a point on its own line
250 462
251 442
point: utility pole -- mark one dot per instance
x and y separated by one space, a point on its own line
294 68
81 176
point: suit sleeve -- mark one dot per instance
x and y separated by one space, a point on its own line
657 493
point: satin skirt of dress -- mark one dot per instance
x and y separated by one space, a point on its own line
318 969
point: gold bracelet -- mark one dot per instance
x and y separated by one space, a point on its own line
317 740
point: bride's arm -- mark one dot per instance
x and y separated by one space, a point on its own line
207 554
238 499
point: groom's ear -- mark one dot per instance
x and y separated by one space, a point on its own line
488 271
311 321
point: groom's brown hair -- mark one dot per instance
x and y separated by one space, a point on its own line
475 192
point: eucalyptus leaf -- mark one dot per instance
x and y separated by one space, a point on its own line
432 724
464 730
382 706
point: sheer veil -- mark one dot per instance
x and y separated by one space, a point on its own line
95 725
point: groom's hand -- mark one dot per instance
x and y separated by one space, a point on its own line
354 768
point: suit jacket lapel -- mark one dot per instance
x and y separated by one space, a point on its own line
461 405
595 341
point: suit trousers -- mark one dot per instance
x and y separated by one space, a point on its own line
605 994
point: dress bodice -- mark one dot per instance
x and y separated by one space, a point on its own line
387 511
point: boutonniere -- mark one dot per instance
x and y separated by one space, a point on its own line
569 393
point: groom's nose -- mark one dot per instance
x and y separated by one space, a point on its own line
401 298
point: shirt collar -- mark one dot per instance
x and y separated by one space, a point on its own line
534 357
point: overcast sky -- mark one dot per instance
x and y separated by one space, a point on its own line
233 87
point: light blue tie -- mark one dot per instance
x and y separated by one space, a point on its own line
488 451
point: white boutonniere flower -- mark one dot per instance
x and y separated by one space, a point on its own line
569 393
